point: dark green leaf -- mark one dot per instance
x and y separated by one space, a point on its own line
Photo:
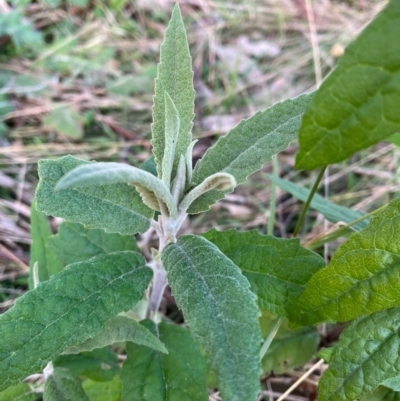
115 208
358 104
332 212
368 353
48 264
120 329
180 375
220 310
100 365
278 269
249 145
75 243
362 276
63 385
65 310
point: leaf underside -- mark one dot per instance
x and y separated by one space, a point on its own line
277 269
358 104
175 76
148 375
368 353
249 145
362 277
116 208
220 310
67 309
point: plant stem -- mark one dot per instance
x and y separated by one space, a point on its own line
309 199
270 337
272 207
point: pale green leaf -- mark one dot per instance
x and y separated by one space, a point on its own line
381 394
179 183
63 385
48 263
277 269
120 329
65 310
65 120
362 277
171 138
331 211
75 243
189 162
115 208
217 182
249 145
20 392
100 364
105 174
175 76
368 353
358 104
393 383
180 375
220 310
290 348
103 391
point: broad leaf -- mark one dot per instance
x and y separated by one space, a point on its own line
175 76
21 392
220 310
368 353
277 269
179 376
75 243
332 212
382 394
65 120
290 348
63 385
103 391
106 174
120 329
362 276
65 310
115 208
48 263
249 145
358 104
100 365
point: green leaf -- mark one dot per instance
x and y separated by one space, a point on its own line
115 208
100 365
357 105
220 310
367 355
75 243
381 394
63 385
332 212
393 383
65 120
148 375
290 348
48 264
21 392
103 391
362 276
172 124
106 174
249 145
65 310
150 166
175 76
120 329
277 269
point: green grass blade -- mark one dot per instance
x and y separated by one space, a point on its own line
221 312
114 208
65 310
358 104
